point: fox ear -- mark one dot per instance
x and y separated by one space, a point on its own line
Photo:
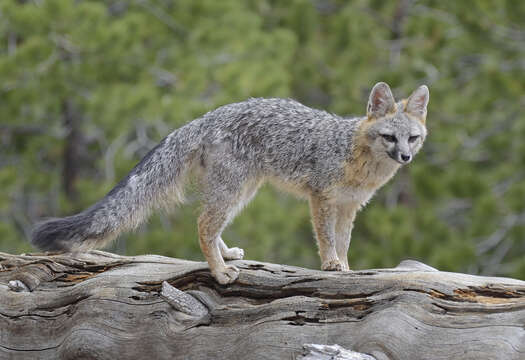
381 101
417 102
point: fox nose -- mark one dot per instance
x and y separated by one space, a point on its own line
405 158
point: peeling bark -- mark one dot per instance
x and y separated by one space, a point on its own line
103 306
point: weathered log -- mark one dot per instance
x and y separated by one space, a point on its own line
103 306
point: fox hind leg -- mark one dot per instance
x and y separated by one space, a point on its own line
247 193
227 253
211 223
225 190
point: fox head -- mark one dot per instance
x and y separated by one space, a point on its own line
396 130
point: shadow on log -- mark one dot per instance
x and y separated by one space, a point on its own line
103 306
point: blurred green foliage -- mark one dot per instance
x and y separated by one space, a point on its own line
88 87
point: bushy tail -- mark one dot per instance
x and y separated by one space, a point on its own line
156 181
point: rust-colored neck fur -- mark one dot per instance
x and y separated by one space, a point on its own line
365 169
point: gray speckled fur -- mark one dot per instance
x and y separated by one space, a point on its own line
232 150
278 138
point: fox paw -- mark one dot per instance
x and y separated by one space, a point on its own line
233 254
332 265
226 276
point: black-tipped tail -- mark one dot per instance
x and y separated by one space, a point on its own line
157 180
64 234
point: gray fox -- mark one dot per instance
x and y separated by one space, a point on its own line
336 163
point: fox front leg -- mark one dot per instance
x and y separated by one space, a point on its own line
324 220
343 230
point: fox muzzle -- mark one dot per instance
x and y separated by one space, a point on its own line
400 157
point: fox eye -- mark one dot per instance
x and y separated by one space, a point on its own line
413 138
389 138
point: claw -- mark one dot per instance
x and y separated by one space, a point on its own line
332 265
226 276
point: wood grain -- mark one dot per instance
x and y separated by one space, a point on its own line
98 305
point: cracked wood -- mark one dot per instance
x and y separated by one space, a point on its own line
99 305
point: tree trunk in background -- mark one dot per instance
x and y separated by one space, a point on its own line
71 149
103 306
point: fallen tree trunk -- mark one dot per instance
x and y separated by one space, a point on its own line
103 306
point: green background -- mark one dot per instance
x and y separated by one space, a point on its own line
88 87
